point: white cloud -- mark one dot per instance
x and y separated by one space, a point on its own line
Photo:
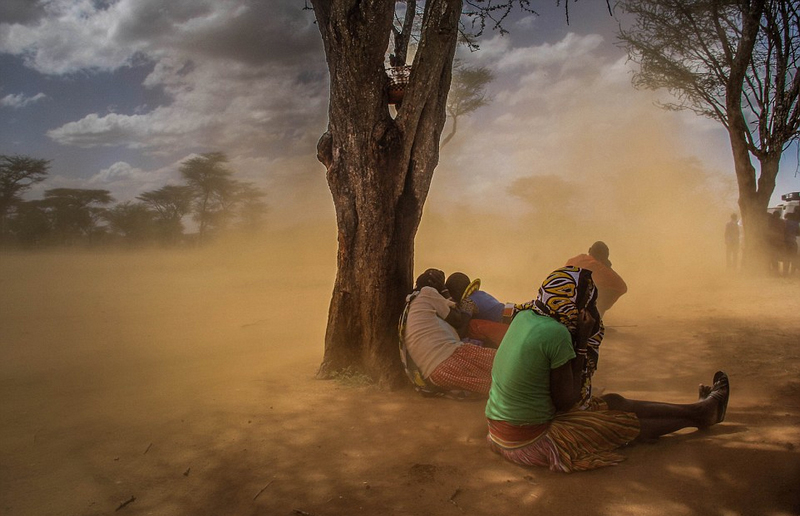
241 76
570 53
526 23
492 50
123 180
72 36
226 105
20 100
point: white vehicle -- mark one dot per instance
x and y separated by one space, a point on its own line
790 204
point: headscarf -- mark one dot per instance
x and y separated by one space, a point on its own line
564 293
431 278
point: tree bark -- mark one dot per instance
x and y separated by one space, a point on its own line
752 205
379 171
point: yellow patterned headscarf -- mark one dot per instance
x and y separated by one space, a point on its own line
563 294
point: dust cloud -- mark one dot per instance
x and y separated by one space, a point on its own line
630 184
185 379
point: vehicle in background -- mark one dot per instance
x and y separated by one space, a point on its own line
790 205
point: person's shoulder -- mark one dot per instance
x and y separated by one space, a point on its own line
542 322
572 261
424 295
584 261
431 295
551 325
429 291
546 334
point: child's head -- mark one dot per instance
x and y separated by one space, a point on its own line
457 283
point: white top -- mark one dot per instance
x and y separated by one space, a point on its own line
428 338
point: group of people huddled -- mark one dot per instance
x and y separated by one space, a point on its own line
534 363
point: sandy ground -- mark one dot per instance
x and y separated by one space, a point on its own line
183 384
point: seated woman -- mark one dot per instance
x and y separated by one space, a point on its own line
435 358
540 409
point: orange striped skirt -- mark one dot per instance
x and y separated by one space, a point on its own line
577 440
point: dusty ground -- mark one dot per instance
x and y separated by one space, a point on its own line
182 384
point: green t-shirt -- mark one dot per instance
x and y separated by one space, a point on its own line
532 347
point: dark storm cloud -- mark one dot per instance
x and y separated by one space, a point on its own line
73 36
251 32
149 20
20 11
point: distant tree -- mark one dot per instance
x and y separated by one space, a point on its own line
17 174
76 213
467 94
171 203
734 61
250 207
134 221
212 188
32 223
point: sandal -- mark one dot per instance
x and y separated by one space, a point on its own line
721 380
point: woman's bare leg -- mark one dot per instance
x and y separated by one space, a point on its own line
657 419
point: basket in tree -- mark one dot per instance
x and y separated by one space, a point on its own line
398 80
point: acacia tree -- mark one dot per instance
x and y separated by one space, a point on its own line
18 174
735 61
209 179
32 222
379 167
467 93
170 203
76 212
134 221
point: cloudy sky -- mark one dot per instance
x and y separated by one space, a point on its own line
118 92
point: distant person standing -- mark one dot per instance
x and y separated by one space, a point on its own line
610 286
732 242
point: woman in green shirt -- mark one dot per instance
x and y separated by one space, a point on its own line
540 409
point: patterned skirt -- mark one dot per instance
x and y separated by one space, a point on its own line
469 368
577 440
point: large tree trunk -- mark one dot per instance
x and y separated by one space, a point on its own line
379 171
753 209
751 202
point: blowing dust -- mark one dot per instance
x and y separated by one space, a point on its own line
184 379
661 213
